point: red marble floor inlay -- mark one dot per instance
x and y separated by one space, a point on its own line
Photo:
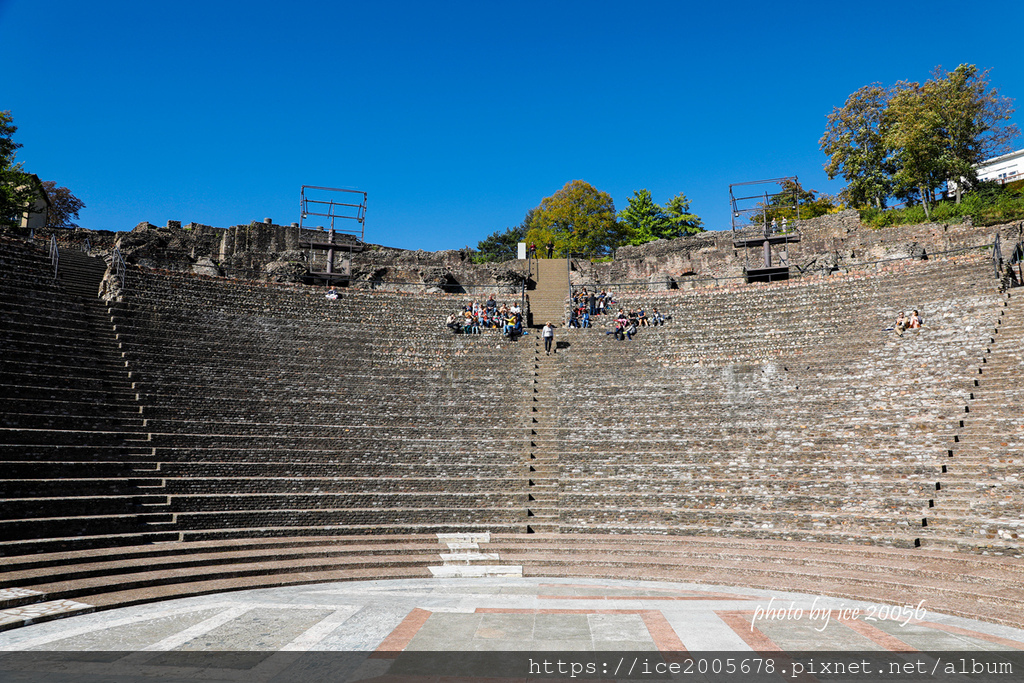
403 634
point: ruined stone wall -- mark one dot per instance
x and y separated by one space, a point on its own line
836 241
271 252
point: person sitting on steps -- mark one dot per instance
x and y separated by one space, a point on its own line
901 324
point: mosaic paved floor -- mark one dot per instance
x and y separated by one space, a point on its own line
384 619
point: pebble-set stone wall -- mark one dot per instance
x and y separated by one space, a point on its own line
363 414
783 411
221 408
69 421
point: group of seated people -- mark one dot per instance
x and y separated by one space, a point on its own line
905 322
626 324
594 303
475 317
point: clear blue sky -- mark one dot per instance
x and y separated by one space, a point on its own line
455 117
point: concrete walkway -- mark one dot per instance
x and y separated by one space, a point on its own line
379 622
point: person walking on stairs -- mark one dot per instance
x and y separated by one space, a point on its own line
549 337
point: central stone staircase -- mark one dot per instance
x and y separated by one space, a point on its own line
547 304
547 299
543 469
466 558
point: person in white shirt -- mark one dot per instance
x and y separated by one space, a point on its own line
549 337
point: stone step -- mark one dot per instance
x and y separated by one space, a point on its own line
17 597
465 537
465 558
475 571
40 612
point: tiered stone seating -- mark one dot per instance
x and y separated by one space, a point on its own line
303 415
70 424
781 411
980 502
251 427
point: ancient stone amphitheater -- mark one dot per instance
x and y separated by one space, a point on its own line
199 434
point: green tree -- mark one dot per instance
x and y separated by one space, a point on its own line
578 219
792 201
64 206
911 139
911 131
16 189
643 220
856 148
680 220
969 119
501 245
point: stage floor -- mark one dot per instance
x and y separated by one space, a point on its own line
380 620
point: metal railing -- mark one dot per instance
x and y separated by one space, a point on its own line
997 254
118 267
531 257
54 255
1016 259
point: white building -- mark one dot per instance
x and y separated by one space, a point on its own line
36 215
1003 169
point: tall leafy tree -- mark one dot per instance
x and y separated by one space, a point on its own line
969 118
64 206
680 220
643 220
910 129
911 139
578 219
855 146
17 191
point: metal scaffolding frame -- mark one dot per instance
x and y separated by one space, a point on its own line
740 208
747 234
339 237
333 210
